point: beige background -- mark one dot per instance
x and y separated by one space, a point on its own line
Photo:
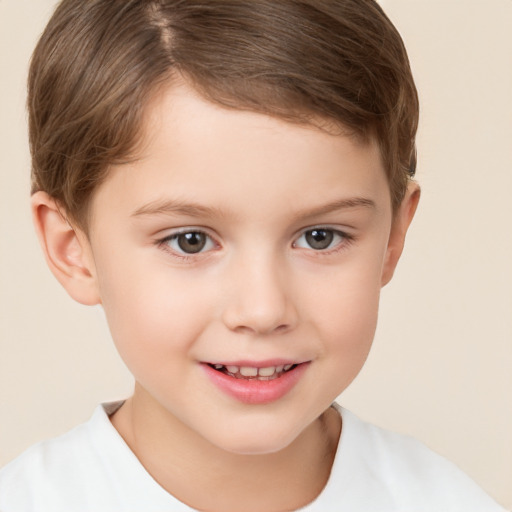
441 367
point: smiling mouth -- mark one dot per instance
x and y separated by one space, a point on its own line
253 373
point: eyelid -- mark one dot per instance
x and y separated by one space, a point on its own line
173 234
347 238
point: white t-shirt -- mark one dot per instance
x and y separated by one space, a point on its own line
91 469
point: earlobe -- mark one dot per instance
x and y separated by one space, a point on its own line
66 250
402 219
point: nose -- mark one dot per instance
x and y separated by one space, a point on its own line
259 299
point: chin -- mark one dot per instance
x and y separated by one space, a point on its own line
258 439
255 446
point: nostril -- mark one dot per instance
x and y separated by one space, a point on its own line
242 329
280 329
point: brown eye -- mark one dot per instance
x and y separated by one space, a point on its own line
192 242
323 238
319 239
188 243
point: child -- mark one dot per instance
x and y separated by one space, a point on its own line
232 182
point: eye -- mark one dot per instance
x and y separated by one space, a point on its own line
189 242
320 239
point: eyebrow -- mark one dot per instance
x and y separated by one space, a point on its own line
341 204
177 207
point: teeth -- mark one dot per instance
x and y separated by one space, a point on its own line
248 371
267 372
251 371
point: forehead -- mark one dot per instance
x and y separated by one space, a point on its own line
194 150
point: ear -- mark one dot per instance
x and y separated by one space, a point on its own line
66 249
401 221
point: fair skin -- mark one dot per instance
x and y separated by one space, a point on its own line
290 238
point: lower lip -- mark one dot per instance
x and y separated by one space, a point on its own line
254 391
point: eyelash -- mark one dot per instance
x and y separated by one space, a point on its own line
164 243
346 240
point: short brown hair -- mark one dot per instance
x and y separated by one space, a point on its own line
98 63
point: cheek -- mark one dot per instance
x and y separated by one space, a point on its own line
155 315
348 336
345 313
350 322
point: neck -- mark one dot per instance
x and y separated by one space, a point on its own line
193 470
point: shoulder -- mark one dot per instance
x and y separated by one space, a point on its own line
42 473
88 469
402 472
36 471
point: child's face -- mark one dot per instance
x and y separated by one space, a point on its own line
286 252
